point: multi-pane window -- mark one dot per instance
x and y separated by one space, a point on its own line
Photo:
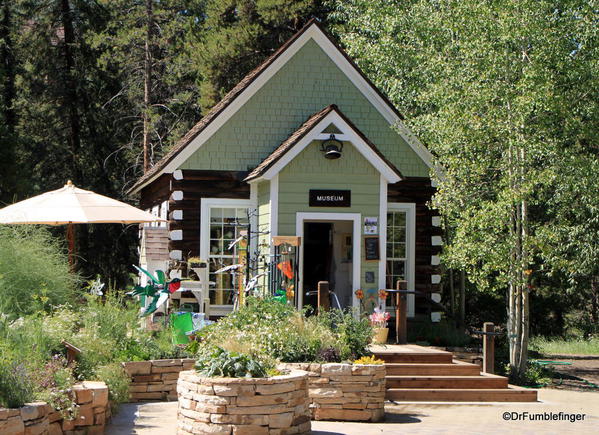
226 225
396 248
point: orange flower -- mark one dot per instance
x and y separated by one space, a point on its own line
382 294
359 294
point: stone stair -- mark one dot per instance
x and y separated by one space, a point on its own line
420 374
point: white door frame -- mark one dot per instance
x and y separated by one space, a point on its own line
356 218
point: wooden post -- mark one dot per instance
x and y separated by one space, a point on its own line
324 300
488 348
401 311
72 351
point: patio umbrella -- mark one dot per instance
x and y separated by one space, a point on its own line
71 205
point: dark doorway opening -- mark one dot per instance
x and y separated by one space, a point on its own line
318 252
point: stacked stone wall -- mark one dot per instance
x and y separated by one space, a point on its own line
155 379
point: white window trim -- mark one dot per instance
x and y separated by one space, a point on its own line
205 205
410 209
356 219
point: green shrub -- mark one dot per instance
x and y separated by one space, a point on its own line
34 271
220 362
117 380
55 386
443 333
16 387
536 375
267 327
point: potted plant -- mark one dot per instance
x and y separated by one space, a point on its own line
196 264
231 391
378 320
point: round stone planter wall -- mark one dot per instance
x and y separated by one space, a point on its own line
276 405
349 392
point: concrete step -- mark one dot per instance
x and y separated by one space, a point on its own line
456 368
484 381
510 394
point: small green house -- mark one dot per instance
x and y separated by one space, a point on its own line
304 146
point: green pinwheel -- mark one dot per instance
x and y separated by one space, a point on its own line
157 288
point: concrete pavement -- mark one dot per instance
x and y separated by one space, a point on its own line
416 418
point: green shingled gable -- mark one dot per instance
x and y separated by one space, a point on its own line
307 83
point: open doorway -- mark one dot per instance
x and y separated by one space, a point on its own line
328 249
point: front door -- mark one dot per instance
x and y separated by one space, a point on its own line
327 256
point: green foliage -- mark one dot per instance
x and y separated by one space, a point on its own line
535 375
219 362
117 380
237 35
266 327
16 387
565 346
55 386
34 272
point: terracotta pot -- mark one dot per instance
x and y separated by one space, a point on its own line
380 335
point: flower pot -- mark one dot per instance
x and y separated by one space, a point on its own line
380 335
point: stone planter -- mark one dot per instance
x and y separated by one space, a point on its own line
31 418
348 392
252 406
155 379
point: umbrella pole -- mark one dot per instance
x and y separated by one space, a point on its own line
71 242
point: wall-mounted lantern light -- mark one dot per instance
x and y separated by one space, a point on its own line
331 148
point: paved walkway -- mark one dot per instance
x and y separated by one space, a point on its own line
424 418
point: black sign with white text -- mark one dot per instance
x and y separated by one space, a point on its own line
330 198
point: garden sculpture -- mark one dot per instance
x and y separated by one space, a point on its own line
158 288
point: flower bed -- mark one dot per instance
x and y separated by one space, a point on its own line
93 411
344 391
273 405
155 379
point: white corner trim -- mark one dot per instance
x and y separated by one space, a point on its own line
178 174
175 254
274 207
436 221
435 279
383 233
436 240
435 260
177 195
253 217
356 218
340 60
177 215
363 148
176 235
410 209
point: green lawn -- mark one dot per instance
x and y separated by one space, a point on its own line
556 346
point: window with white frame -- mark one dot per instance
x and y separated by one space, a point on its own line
223 220
400 248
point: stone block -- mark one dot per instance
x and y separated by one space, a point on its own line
82 395
210 428
234 390
97 429
195 415
276 388
336 369
68 425
138 388
325 392
272 399
280 420
99 417
4 413
266 409
147 396
251 420
211 409
158 387
342 414
137 367
169 376
250 430
166 363
12 426
378 414
166 369
149 378
55 429
54 416
39 427
85 416
31 411
212 400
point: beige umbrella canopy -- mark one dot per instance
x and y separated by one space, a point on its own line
71 205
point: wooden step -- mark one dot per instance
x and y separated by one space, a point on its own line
511 394
456 368
484 381
411 354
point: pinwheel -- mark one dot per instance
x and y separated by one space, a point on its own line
157 288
